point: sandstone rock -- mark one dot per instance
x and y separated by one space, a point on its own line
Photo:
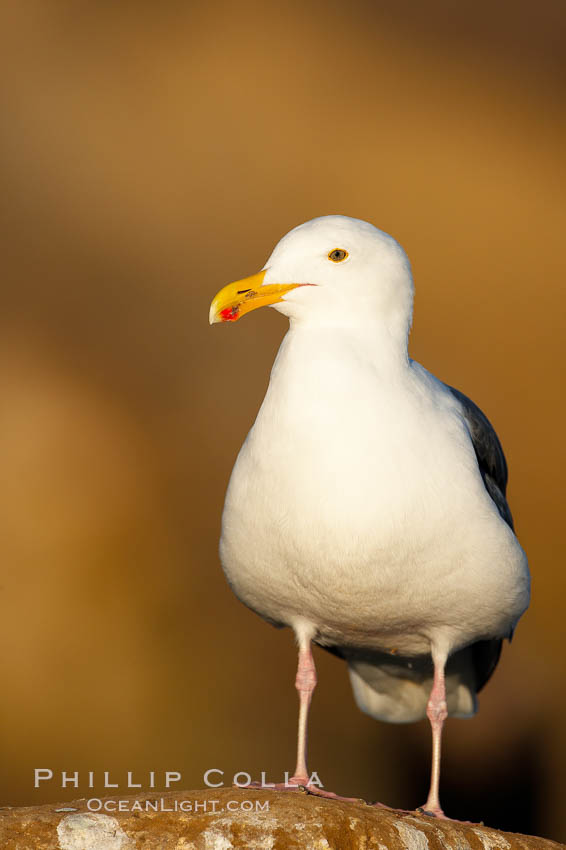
233 818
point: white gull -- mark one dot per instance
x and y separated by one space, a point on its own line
366 509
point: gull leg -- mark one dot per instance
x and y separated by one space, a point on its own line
437 713
305 683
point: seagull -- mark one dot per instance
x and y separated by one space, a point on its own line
366 509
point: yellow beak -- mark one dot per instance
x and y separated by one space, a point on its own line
238 298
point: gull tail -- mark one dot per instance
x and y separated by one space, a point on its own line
396 689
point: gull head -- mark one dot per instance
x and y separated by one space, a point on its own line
332 270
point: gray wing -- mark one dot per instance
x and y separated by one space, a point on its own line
489 454
493 468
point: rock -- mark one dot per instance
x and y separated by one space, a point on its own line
234 818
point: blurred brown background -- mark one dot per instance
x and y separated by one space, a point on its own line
152 153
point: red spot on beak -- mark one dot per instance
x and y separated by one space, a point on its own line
229 314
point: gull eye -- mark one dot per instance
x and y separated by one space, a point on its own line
337 255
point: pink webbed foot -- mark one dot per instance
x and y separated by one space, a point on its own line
330 795
302 783
295 783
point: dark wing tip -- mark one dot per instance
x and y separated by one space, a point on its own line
489 452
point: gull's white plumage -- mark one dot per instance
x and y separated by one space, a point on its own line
356 512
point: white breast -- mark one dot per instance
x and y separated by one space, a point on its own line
356 503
